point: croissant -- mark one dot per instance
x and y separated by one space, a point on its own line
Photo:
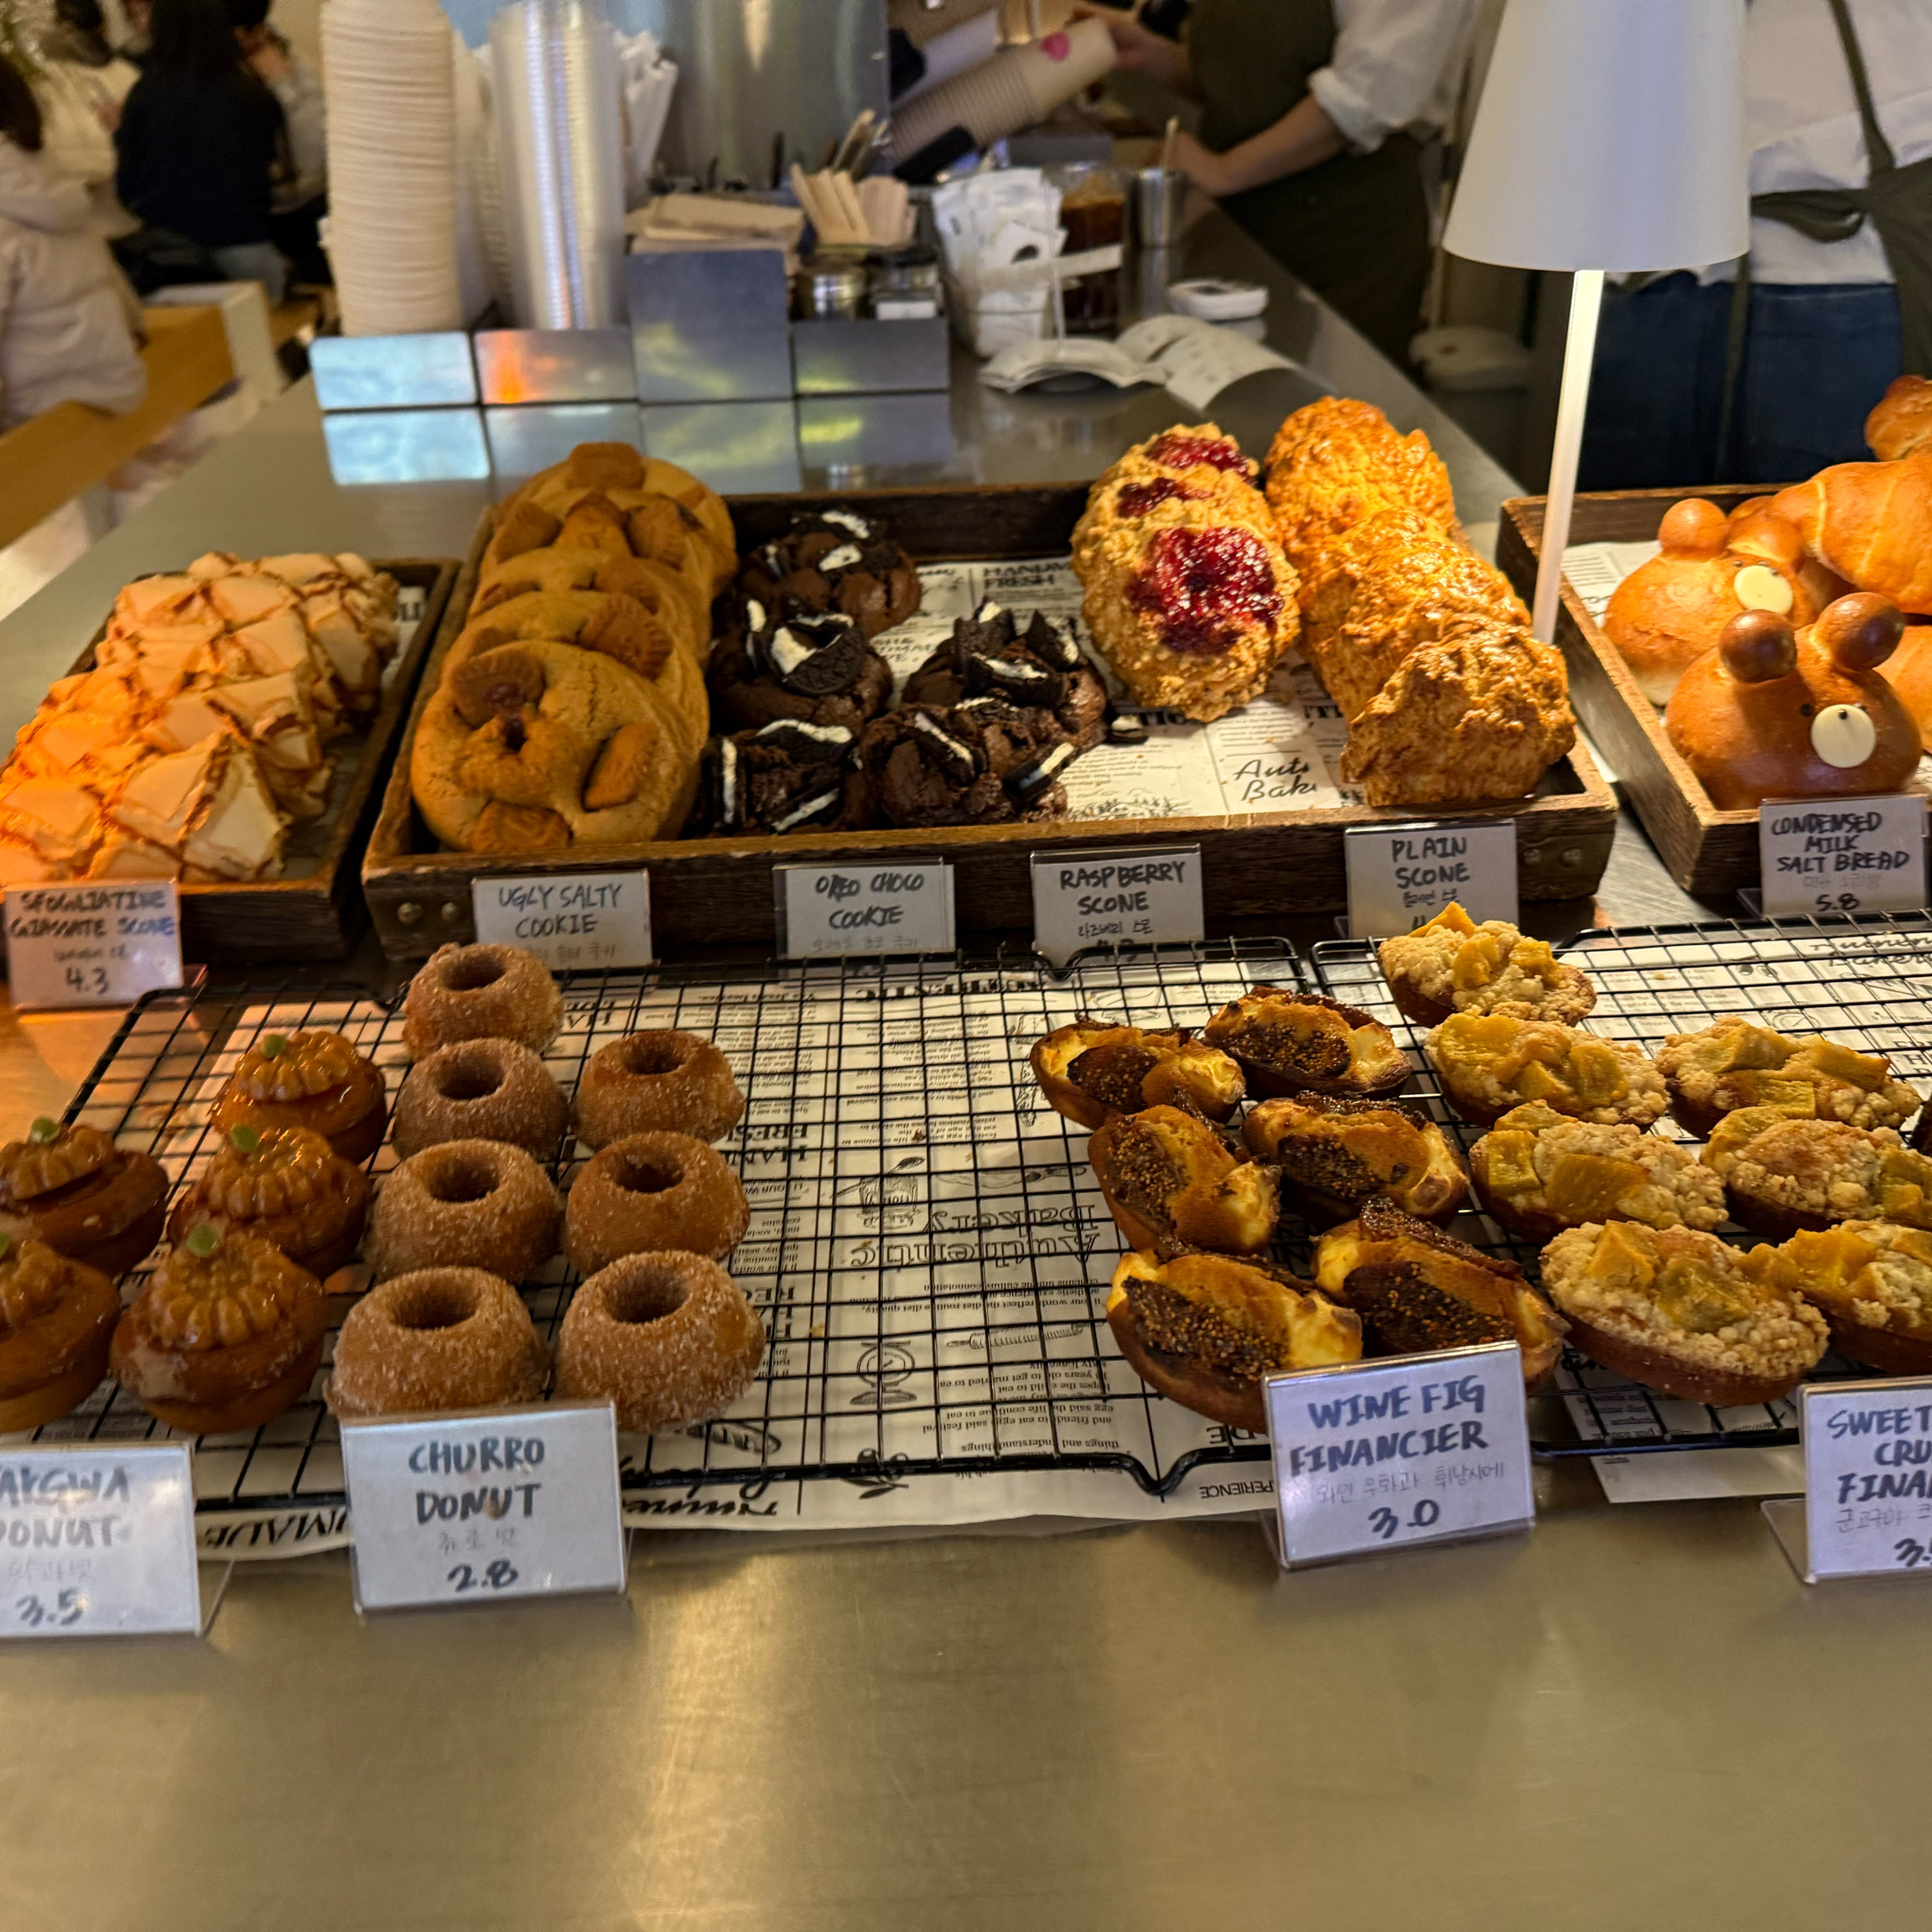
1900 420
1871 523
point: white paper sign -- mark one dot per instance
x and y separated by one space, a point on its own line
484 1505
98 1542
1415 1449
1401 875
92 945
872 906
1841 854
1119 898
571 920
1867 1476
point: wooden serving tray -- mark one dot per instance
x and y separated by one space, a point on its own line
1708 852
705 891
319 914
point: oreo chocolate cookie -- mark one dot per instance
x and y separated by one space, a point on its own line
791 775
1041 669
837 560
780 660
928 767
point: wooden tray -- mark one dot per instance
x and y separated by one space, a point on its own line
705 891
319 915
1708 852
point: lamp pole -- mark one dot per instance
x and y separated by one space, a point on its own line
1579 352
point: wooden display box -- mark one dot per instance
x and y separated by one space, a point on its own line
319 914
705 891
1708 852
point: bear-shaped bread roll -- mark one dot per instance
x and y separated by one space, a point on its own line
1777 713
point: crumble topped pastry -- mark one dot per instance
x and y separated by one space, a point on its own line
1872 1275
1735 1063
1682 1293
1823 1169
1454 964
1489 1063
1538 1162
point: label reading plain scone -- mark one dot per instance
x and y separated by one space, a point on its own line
1384 1454
92 945
98 1542
485 1504
1401 876
574 922
1841 854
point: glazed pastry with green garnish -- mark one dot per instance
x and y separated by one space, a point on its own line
56 1318
226 1334
313 1079
286 1184
70 1186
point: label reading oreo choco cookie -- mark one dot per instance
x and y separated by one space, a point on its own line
828 911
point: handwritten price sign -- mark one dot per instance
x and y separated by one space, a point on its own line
1868 1507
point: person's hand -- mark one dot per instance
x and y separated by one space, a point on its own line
1138 49
269 61
1208 172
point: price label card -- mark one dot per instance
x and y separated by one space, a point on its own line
1867 1476
872 906
98 1542
1417 1449
1401 876
1115 898
477 1507
572 921
1841 854
92 945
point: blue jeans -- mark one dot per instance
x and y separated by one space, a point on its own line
1816 358
255 262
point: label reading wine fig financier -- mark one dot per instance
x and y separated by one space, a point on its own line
572 921
98 1542
479 1506
1401 876
825 911
1115 898
1841 854
1383 1455
92 945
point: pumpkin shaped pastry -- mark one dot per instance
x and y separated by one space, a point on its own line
1452 965
71 1186
1335 1156
227 1332
1871 1280
1418 1289
1538 1171
1681 1311
1090 1070
1206 1330
56 1317
313 1079
1289 1042
1734 1062
286 1185
1783 1172
1167 1175
1487 1064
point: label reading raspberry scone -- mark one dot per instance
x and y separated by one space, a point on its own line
1115 898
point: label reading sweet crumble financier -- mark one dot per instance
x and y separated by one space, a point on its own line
1867 1476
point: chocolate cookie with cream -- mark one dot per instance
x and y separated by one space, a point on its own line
782 660
837 560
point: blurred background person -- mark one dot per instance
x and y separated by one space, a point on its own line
297 202
80 84
66 324
202 143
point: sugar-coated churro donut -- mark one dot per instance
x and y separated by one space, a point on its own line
652 1192
437 1338
465 1204
656 1083
480 1090
481 993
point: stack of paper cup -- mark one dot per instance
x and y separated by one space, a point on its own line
392 166
1061 64
1018 86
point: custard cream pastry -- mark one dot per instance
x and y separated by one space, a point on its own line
1167 1175
1735 1063
1089 1070
1289 1042
1487 1064
1782 1173
1335 1155
1453 965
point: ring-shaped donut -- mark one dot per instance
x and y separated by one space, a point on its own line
481 992
663 1082
465 1204
652 1192
437 1338
480 1090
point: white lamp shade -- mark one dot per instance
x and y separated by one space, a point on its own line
1610 135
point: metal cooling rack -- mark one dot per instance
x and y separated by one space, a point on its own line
1866 980
927 1247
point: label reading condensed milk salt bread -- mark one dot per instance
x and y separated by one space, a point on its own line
98 1542
826 911
1401 876
1842 854
1385 1455
1867 1476
1117 898
92 945
574 922
478 1507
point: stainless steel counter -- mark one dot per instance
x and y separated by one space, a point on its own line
1632 1717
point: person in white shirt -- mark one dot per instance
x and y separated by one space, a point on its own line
1705 377
1312 110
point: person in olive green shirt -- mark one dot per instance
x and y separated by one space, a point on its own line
1307 108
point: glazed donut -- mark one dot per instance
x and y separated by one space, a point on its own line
669 1338
653 1191
481 993
313 1079
656 1083
73 1188
56 1319
465 1204
437 1338
285 1184
480 1090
